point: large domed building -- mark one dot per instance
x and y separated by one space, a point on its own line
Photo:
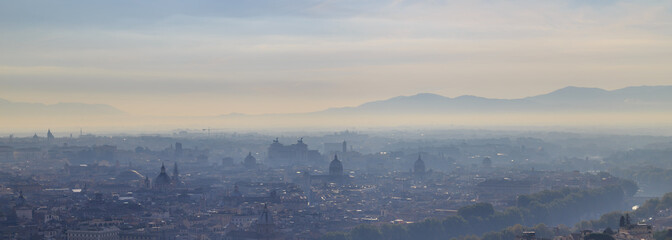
335 174
163 181
250 161
336 167
419 167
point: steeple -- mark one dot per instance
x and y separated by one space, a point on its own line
50 136
163 168
265 225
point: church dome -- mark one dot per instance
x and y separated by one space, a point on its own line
250 161
419 166
163 179
335 167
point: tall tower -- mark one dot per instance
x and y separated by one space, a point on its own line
178 149
176 175
265 225
50 137
345 146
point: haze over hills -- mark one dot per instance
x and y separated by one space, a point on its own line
644 98
23 109
644 106
630 98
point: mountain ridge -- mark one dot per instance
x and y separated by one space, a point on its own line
571 98
643 106
57 109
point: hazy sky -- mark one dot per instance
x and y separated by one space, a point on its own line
216 57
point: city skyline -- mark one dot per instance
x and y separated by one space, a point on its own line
336 120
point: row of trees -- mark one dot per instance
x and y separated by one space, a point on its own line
553 207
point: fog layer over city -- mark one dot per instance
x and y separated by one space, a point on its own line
336 120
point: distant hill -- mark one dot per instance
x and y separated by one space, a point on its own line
644 98
631 98
22 109
645 106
